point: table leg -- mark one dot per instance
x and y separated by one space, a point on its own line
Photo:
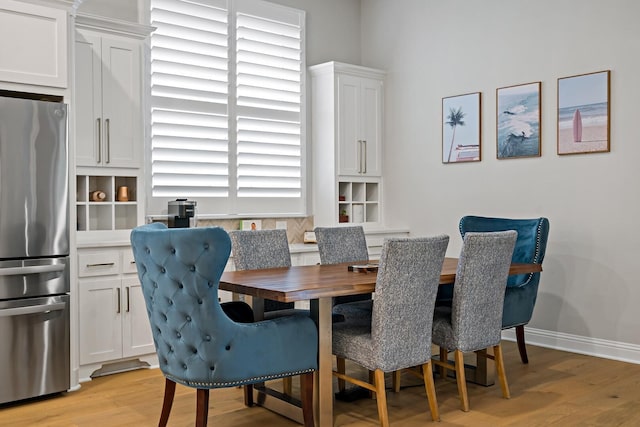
323 394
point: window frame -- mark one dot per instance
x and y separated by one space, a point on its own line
233 206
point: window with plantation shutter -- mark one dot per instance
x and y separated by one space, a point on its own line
227 97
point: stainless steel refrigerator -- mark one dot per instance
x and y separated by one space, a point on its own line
34 248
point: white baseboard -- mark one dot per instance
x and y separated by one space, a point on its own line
614 350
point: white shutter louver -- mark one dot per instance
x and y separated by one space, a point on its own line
189 90
268 106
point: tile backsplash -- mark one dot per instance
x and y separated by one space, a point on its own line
295 226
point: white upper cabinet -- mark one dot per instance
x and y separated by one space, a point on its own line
347 136
359 124
108 100
33 44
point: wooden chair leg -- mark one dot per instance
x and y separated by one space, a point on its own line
381 396
341 368
372 380
521 346
306 395
169 392
502 376
202 407
444 356
248 395
460 378
427 374
396 380
287 386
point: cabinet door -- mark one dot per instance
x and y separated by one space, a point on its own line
359 126
137 338
88 99
100 319
348 126
33 44
371 122
121 93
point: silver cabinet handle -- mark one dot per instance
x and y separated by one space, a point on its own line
32 309
99 126
128 300
108 141
364 156
119 308
359 156
102 264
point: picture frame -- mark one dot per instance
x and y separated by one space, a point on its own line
251 224
518 124
461 128
584 109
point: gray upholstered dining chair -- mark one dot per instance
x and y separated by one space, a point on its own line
345 244
258 249
474 320
398 334
522 290
197 344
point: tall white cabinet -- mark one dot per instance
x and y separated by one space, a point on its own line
109 129
347 137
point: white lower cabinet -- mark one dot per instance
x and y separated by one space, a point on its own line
112 313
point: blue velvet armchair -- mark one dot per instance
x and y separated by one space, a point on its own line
522 289
197 344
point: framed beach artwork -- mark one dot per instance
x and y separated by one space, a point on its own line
583 113
518 121
461 128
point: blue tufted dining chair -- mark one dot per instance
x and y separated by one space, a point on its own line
197 344
522 290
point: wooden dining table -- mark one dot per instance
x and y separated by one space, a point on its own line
319 284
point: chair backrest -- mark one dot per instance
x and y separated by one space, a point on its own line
478 292
530 246
258 249
180 269
341 244
406 286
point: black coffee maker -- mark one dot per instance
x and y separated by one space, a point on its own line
182 213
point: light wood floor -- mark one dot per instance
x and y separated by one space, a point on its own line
556 388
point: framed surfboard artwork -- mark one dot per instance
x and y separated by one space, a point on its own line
584 113
518 121
461 128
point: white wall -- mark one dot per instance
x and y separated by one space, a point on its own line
333 29
333 26
432 50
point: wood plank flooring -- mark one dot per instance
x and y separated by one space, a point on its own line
556 388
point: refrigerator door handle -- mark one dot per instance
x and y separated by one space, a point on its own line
36 269
32 309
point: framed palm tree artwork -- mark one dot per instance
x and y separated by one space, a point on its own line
461 128
518 121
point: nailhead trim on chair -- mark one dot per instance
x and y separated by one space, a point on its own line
238 383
